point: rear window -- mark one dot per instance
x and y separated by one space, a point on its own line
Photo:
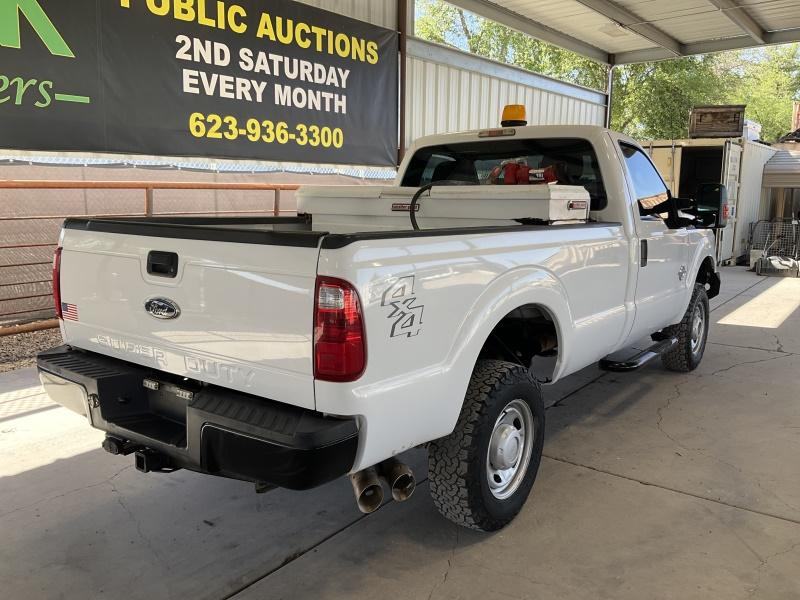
569 161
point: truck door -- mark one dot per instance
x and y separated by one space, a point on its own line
662 252
731 168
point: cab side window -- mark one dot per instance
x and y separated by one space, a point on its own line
647 183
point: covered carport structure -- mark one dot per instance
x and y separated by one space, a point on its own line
631 31
651 486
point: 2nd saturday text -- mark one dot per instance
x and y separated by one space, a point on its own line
246 89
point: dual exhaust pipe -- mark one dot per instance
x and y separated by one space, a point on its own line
369 491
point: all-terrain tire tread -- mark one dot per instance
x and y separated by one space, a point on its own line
679 357
449 458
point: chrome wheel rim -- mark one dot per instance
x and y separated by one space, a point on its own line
698 329
510 449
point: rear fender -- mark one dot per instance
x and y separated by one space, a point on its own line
414 407
508 292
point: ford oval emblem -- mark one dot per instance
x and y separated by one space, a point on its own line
162 308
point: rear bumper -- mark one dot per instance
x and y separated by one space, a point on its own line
200 427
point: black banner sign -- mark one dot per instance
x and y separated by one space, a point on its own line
251 79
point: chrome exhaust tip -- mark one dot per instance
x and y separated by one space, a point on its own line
399 477
368 490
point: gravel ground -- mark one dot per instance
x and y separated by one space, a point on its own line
18 351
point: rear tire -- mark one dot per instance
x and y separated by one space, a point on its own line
481 474
692 333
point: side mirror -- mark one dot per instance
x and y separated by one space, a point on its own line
711 205
668 209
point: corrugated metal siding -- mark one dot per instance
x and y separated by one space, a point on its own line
783 170
450 91
377 12
754 158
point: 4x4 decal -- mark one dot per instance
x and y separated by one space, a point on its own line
406 314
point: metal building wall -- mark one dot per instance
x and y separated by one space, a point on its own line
377 12
449 90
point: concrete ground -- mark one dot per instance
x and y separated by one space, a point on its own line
654 485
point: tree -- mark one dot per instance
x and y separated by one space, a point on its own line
767 81
653 100
446 24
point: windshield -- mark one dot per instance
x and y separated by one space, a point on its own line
510 162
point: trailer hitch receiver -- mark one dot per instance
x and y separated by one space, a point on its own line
151 461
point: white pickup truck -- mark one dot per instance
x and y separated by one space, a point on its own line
290 351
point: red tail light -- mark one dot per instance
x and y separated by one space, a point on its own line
340 352
57 282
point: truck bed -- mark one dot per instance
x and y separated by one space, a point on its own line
244 287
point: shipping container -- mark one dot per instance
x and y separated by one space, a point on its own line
735 162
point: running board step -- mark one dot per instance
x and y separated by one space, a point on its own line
641 359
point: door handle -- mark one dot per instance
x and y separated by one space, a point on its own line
162 264
643 255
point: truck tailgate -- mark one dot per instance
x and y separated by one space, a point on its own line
245 309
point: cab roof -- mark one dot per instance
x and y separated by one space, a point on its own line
592 133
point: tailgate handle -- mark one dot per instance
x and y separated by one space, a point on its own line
162 264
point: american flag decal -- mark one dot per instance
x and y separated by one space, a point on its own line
69 311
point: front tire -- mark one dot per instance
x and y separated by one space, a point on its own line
692 333
482 473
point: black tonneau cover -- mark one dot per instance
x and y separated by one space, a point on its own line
280 231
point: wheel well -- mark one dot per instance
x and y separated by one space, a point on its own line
526 333
708 277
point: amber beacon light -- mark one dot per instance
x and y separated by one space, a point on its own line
514 116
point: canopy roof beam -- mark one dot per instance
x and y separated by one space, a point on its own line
665 42
535 29
628 20
785 36
741 18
